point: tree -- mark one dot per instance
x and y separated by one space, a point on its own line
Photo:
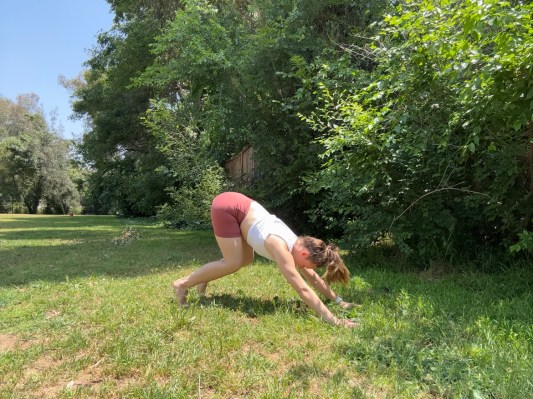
32 158
230 65
117 146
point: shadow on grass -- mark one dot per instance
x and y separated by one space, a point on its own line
252 307
31 221
55 248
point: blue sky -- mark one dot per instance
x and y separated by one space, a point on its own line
42 39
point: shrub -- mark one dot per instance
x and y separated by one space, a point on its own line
432 147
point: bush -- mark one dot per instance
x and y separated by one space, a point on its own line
191 204
432 147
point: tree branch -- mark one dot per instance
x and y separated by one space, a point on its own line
434 192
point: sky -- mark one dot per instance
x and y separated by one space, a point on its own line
43 39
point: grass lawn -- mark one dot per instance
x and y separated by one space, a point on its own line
87 311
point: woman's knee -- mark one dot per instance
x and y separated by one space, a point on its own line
233 265
248 259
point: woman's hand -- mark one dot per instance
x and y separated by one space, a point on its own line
346 323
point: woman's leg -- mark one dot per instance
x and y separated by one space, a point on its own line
201 288
235 252
230 253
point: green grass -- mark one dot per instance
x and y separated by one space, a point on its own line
87 311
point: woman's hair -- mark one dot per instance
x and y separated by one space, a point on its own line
328 256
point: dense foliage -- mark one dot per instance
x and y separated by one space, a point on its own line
406 120
119 149
35 170
434 146
200 178
231 66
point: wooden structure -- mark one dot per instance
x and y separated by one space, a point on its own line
240 168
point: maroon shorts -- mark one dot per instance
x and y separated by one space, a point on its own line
228 210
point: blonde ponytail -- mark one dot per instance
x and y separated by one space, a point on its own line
327 256
336 270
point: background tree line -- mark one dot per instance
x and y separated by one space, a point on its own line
36 169
408 120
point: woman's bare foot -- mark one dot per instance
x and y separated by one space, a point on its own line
181 292
201 288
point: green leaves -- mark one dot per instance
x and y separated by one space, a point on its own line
443 109
34 165
414 128
525 242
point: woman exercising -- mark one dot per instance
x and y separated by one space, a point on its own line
242 226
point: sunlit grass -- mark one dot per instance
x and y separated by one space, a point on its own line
86 310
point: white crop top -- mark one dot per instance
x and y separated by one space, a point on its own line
265 226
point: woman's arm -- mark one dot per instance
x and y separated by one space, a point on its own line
278 248
318 284
321 286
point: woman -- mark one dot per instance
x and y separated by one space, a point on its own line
241 226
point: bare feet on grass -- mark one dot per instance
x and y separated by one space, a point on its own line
181 292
